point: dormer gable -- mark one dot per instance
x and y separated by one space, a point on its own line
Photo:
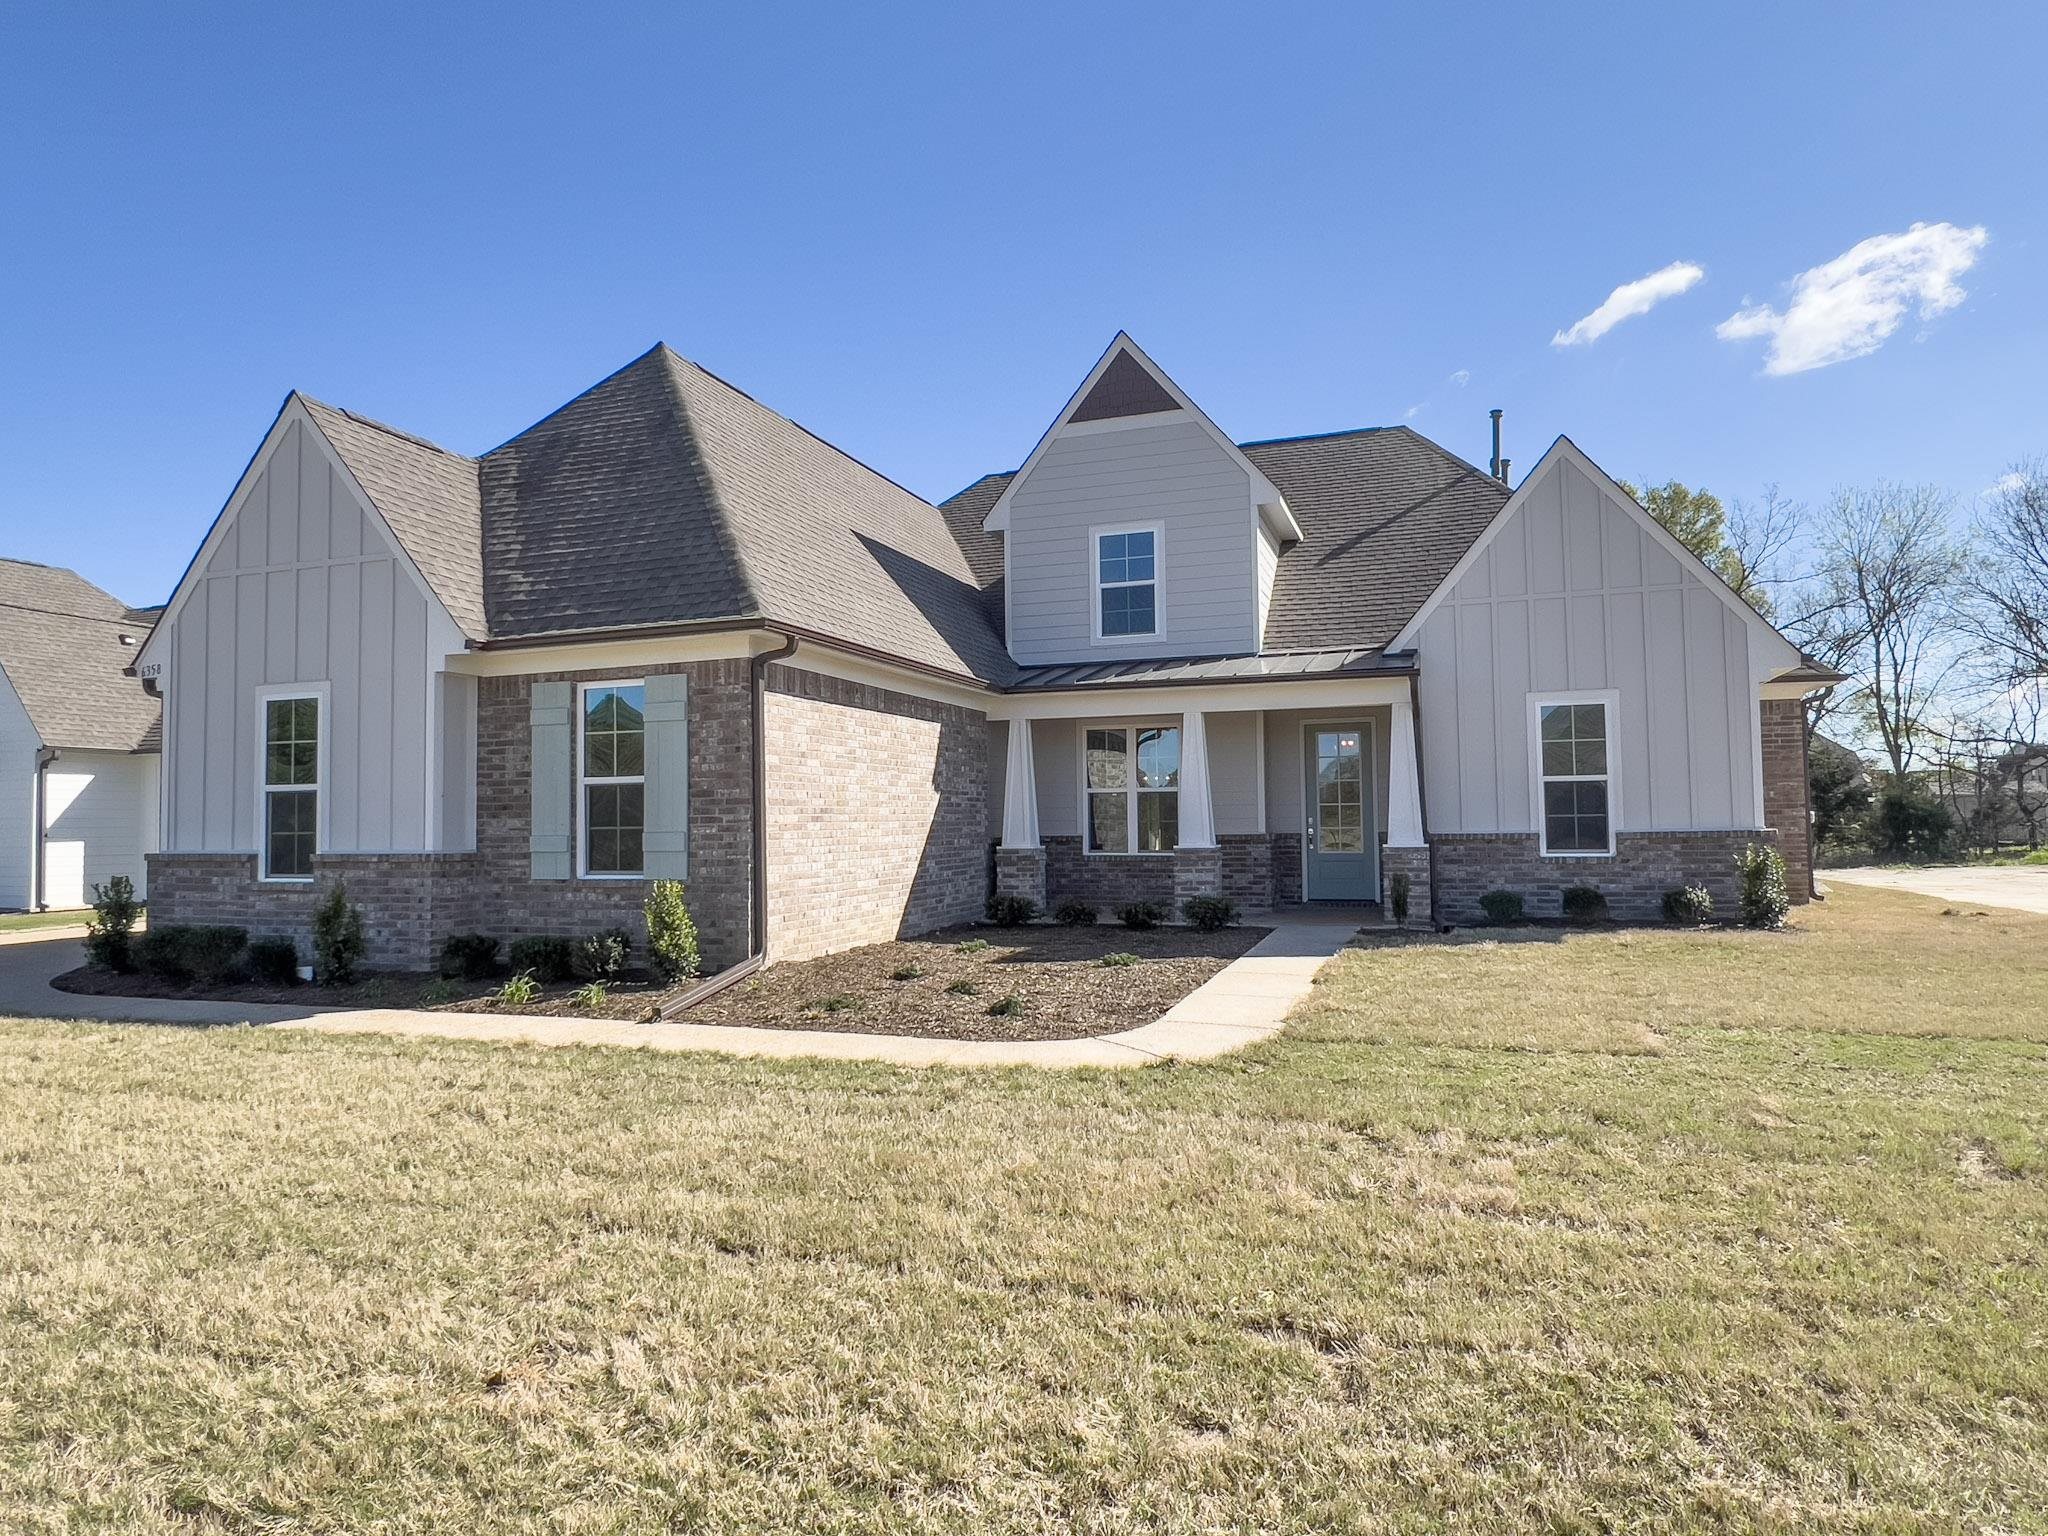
1137 528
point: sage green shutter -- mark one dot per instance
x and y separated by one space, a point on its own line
666 842
554 742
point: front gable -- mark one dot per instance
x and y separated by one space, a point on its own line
1131 456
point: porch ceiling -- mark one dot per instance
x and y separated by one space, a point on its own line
1169 671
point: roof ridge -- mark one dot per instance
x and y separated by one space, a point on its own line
383 426
714 497
66 613
1311 437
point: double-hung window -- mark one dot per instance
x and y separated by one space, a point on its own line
1574 768
1133 788
1126 582
612 763
291 786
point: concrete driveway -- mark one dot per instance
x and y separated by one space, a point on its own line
2024 887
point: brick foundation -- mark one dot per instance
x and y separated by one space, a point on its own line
1243 865
1415 863
1286 858
1196 872
1787 801
1645 866
1021 872
1248 869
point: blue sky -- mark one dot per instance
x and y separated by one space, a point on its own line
913 228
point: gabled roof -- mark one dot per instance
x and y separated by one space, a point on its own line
61 648
427 495
1384 514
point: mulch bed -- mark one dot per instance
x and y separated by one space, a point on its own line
632 996
1064 992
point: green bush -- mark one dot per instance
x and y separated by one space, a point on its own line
970 946
471 956
590 996
603 956
1908 823
1208 913
338 943
1141 914
671 934
1117 959
1399 889
1075 914
906 973
1011 911
191 952
1584 904
1765 900
964 987
1501 907
110 941
1692 904
520 990
274 961
546 957
1007 1007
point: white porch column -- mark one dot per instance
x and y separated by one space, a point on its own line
1020 790
1197 810
1404 787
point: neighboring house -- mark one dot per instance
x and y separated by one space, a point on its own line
78 740
667 632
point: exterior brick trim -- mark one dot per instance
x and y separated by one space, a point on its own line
1645 865
1788 801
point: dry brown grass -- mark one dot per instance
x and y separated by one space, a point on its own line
1461 1252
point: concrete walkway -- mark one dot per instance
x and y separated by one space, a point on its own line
2022 887
1247 1001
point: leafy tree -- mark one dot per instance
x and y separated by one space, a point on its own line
1839 788
1697 520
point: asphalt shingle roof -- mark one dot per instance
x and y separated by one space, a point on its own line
60 646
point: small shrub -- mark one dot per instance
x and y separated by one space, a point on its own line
1501 907
1765 900
546 957
1011 911
1141 914
471 956
1692 904
590 996
191 952
1209 913
970 946
519 991
1007 1007
1118 958
1075 914
338 942
435 993
110 941
671 932
963 987
1399 889
839 1002
275 961
1584 904
906 973
603 956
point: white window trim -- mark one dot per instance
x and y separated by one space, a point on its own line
318 692
1131 791
1538 702
1096 585
579 818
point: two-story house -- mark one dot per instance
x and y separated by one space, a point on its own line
666 632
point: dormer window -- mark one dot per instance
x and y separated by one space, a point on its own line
1126 581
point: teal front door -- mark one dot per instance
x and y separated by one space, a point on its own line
1341 845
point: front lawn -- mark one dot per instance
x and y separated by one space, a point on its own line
1585 1231
29 922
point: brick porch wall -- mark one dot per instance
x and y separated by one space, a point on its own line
1644 867
1787 803
877 814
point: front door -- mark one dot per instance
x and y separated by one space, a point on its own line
1341 845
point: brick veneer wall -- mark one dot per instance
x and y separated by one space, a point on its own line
1787 802
1645 865
1286 868
1415 863
877 813
1247 866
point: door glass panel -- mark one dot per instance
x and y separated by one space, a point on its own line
1340 805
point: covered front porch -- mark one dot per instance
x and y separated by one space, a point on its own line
1271 794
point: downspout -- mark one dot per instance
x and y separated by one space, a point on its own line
757 955
39 897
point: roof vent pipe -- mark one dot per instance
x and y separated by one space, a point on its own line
1498 470
1503 471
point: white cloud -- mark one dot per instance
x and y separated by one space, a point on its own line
1462 377
1411 413
1630 300
2011 480
1847 307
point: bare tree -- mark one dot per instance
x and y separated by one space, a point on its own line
1759 539
2008 614
1890 572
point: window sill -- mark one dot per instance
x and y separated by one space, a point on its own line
610 879
1094 853
1566 853
285 879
